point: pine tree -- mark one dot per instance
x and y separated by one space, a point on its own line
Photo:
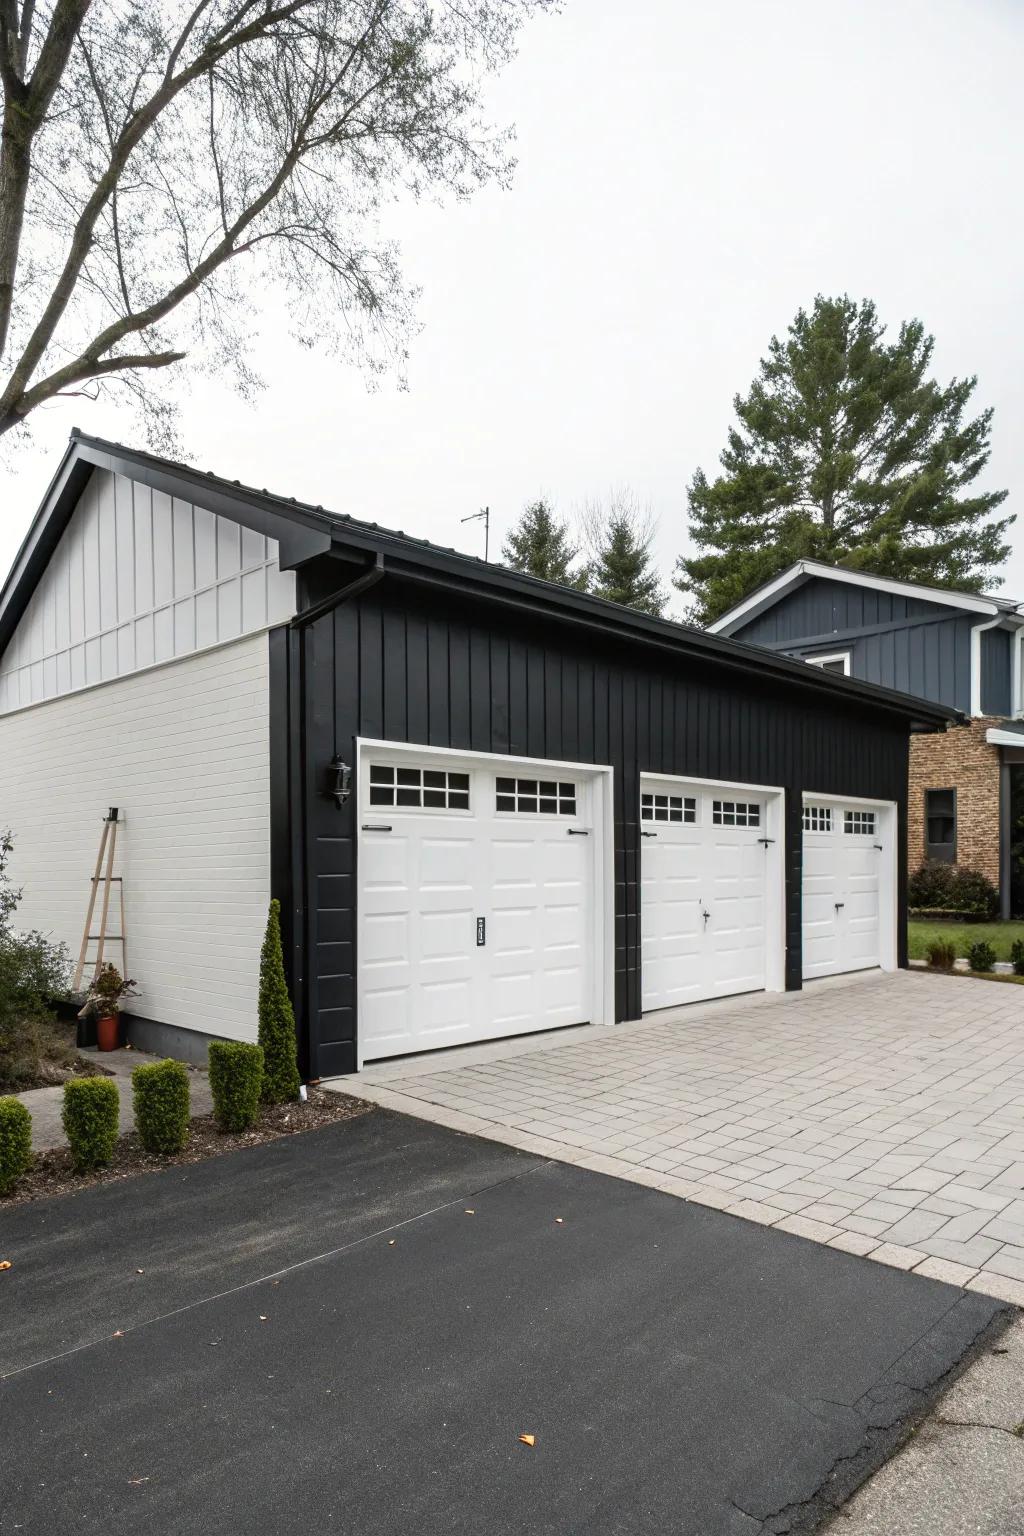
540 545
622 565
276 1019
846 451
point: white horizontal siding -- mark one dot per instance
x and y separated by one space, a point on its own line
183 750
139 578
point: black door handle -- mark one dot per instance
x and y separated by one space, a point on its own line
374 826
577 832
840 905
648 834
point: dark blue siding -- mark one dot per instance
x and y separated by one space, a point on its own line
995 671
823 608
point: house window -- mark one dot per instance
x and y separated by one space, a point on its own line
835 661
817 818
735 813
680 808
940 824
528 797
859 823
430 788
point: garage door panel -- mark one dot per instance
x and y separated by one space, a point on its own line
842 889
386 939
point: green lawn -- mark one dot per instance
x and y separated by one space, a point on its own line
999 935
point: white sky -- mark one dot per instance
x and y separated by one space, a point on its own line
689 174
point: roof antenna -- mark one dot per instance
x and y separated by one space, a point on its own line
474 517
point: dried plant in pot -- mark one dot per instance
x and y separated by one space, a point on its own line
103 1002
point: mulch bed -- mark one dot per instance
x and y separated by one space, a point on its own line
52 1174
50 1074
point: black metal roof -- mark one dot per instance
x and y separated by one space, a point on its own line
304 531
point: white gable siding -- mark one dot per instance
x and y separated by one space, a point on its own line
183 751
138 578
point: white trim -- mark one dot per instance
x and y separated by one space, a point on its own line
601 777
1016 674
888 900
998 738
968 601
976 634
823 660
775 880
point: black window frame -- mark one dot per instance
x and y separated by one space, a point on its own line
943 850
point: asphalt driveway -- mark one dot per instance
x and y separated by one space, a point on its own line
350 1330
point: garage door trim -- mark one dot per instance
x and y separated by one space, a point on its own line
888 885
600 777
775 853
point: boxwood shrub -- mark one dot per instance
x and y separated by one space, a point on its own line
981 957
942 955
236 1080
160 1098
951 890
90 1118
1017 956
15 1142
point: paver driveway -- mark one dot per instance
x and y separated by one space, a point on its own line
883 1115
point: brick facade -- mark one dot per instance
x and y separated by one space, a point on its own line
959 758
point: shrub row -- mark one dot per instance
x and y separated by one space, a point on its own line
950 889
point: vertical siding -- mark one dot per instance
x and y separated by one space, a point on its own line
394 664
138 577
184 752
996 666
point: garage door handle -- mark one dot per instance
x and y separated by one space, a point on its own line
578 832
840 905
374 826
648 834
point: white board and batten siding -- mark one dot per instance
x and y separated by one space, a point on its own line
139 578
139 677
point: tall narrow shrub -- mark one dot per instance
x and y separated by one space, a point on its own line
15 1142
90 1116
276 1018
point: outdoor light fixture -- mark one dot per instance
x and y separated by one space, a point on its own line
342 786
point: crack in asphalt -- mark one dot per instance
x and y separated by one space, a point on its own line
276 1274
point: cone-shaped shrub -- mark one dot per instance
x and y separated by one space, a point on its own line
15 1142
236 1077
90 1118
160 1096
276 1019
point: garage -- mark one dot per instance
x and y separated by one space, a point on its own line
480 909
711 890
849 874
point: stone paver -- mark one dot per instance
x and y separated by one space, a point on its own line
881 1114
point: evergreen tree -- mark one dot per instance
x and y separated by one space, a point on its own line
540 545
846 451
622 566
276 1019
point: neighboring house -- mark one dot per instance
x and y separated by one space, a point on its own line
488 804
953 648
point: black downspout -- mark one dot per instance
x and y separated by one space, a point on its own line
1005 837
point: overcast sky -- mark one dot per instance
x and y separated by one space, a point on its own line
689 175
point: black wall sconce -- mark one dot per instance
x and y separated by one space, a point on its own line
341 785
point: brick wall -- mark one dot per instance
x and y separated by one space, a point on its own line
959 758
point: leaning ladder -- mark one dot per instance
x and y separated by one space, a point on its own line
104 876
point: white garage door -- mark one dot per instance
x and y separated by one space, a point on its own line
845 870
476 901
703 898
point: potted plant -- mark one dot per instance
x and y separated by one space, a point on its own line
103 1003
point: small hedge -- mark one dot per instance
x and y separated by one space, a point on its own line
236 1080
160 1098
942 955
90 1118
950 890
15 1142
276 1019
1017 956
981 957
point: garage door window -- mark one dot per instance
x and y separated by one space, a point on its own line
532 797
679 808
423 788
859 823
817 818
735 813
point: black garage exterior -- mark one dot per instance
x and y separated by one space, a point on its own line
401 641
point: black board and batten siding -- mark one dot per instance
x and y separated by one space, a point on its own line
402 665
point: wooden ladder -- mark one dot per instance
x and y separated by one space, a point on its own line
104 876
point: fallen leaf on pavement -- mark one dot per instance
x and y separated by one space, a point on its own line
5 1263
470 1211
560 1220
528 1439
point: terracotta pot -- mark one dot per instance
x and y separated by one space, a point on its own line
108 1032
